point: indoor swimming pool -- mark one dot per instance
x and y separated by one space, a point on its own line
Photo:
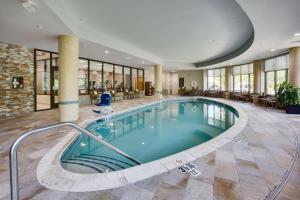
147 134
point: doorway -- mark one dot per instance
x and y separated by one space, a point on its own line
46 80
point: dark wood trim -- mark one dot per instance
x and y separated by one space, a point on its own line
114 77
34 80
51 83
102 78
123 86
88 83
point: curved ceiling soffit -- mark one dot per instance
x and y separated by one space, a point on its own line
234 53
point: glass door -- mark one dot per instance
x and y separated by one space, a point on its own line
54 86
43 88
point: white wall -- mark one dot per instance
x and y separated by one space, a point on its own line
192 75
149 75
174 82
166 82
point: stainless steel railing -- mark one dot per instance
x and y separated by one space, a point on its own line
13 153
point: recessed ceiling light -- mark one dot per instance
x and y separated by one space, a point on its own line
297 34
143 62
272 49
106 51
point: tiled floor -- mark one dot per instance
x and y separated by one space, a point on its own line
245 170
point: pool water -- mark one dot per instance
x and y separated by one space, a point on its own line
149 134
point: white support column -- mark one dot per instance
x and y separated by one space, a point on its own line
294 70
68 78
158 80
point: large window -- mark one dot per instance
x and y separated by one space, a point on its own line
108 76
140 81
118 82
276 72
95 76
92 76
134 78
243 78
127 78
83 76
216 79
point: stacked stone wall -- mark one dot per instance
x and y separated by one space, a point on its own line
16 61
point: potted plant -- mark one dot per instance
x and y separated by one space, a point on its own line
288 97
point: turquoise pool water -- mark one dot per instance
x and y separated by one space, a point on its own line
149 134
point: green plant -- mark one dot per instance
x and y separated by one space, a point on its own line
287 94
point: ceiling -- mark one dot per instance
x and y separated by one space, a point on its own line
181 35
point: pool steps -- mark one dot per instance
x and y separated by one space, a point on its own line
99 163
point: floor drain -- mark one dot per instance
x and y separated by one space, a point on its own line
236 140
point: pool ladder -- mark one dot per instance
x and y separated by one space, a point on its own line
13 152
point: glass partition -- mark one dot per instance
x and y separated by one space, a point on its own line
43 98
92 75
83 76
55 80
108 70
140 80
118 82
95 76
127 78
134 78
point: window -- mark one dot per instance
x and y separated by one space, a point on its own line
92 76
118 82
181 82
83 76
127 78
95 76
140 80
243 78
270 78
216 79
134 78
108 70
276 72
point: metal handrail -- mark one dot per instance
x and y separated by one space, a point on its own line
13 152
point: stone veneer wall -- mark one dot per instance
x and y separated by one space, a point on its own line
16 61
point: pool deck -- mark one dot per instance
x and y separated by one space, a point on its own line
249 169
